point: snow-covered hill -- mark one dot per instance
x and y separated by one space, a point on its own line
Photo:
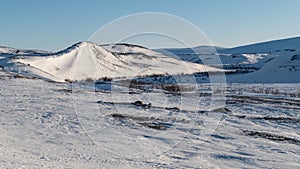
13 51
88 60
226 60
193 54
5 50
282 67
189 51
272 61
266 47
129 49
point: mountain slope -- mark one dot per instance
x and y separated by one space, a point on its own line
283 67
187 51
13 51
266 47
272 61
239 55
87 60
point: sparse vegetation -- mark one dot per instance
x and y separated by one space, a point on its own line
105 79
271 136
274 91
68 80
295 57
89 80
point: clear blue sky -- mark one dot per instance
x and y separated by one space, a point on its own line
56 24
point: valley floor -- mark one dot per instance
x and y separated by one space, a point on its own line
59 125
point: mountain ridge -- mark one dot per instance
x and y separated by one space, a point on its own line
267 46
89 60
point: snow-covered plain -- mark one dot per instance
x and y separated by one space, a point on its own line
60 125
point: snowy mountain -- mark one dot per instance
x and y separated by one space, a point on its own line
258 48
272 61
282 67
13 51
266 47
6 50
128 49
88 60
187 51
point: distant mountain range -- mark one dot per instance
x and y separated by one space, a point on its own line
268 62
263 47
273 61
266 47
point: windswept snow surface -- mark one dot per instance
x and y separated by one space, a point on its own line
60 125
88 60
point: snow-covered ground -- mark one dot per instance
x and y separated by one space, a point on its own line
61 125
